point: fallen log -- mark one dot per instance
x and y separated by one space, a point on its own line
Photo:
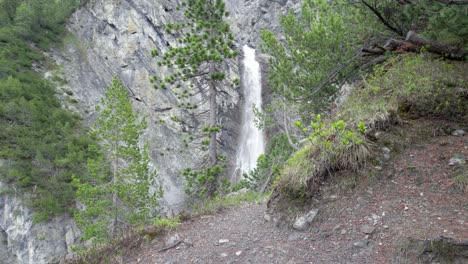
415 43
447 51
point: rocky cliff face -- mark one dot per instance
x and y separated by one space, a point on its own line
115 37
21 241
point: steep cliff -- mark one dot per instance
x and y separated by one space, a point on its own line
22 241
115 37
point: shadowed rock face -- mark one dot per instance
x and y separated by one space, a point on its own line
116 37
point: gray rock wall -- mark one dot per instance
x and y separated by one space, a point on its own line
21 241
115 37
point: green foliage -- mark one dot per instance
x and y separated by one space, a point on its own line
203 181
167 223
205 42
406 85
204 38
118 192
39 21
436 19
216 204
444 22
42 145
269 165
317 52
414 85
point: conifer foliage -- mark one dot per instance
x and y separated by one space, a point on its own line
119 191
205 42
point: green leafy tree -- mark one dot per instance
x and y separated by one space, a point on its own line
7 11
119 192
205 42
24 19
317 54
441 20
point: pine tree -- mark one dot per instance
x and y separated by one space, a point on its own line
119 192
316 55
205 42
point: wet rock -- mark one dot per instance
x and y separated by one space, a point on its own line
304 221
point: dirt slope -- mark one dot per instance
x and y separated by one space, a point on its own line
414 195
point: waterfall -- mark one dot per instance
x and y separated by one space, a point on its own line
252 143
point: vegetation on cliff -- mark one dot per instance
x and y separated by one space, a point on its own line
41 144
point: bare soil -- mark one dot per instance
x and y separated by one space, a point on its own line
413 195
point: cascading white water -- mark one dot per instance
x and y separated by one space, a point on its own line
252 143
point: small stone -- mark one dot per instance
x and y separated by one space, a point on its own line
367 229
458 133
361 243
223 241
385 150
343 232
294 236
269 247
378 168
173 240
238 253
267 217
304 221
224 255
377 135
457 159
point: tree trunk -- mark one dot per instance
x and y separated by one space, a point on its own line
114 193
415 43
447 51
213 107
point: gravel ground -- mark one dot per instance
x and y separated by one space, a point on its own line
413 196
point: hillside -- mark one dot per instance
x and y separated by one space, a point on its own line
228 131
403 201
385 218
